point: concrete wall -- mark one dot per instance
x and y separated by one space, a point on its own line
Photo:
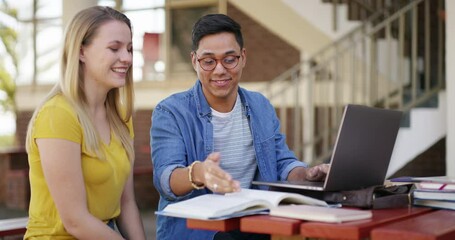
450 86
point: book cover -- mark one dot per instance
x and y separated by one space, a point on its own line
245 202
320 213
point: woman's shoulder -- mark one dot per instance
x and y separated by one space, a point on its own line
58 104
58 101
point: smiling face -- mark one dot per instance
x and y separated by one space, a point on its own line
219 85
108 57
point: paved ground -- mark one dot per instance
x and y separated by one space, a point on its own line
148 219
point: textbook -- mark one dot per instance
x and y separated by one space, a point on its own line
242 203
434 203
436 179
320 213
435 182
436 186
444 195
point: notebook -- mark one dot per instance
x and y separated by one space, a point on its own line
362 151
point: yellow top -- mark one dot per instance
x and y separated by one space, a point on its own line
104 178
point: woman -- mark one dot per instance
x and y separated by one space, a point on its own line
80 140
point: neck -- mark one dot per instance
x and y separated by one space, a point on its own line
223 105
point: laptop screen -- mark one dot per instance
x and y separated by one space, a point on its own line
362 151
363 148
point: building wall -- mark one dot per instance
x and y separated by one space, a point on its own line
268 55
450 86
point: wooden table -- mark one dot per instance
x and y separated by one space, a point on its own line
400 223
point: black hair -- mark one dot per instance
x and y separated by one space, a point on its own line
213 24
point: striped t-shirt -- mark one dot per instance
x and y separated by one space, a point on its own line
232 138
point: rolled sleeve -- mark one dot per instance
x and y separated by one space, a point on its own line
285 173
165 184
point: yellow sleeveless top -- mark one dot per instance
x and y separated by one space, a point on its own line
104 178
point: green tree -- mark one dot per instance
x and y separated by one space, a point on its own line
8 70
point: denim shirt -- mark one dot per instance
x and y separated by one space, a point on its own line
182 133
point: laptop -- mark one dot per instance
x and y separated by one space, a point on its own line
361 154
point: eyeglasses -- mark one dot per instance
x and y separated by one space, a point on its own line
228 62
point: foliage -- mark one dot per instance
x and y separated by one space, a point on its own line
7 140
8 38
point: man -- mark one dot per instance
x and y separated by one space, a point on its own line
217 137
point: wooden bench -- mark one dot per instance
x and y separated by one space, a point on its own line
13 226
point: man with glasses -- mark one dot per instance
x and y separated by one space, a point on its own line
217 137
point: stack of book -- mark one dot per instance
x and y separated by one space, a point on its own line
436 192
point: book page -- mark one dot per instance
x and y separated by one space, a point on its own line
276 198
211 206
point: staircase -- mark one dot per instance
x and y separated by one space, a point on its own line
427 126
393 59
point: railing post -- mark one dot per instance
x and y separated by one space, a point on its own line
297 133
373 70
414 54
308 112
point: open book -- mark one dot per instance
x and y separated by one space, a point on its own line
320 214
245 202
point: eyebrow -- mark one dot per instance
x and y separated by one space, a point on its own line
119 42
230 52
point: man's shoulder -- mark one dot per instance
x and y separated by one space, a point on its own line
253 97
177 99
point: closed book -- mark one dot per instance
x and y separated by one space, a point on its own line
320 213
434 195
434 203
434 182
436 186
434 179
245 202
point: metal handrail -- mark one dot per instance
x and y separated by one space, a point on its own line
350 70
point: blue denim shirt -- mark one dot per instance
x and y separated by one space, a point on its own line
182 133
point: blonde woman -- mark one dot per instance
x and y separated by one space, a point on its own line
80 140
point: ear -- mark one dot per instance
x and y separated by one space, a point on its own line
81 55
243 54
193 60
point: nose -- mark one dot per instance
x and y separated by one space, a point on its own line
219 68
126 56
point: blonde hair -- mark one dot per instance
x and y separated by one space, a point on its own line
119 101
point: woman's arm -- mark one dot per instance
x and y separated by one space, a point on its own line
129 221
61 163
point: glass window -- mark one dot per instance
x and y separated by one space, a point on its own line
41 51
39 45
148 20
181 26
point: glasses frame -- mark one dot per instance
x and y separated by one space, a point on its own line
217 60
